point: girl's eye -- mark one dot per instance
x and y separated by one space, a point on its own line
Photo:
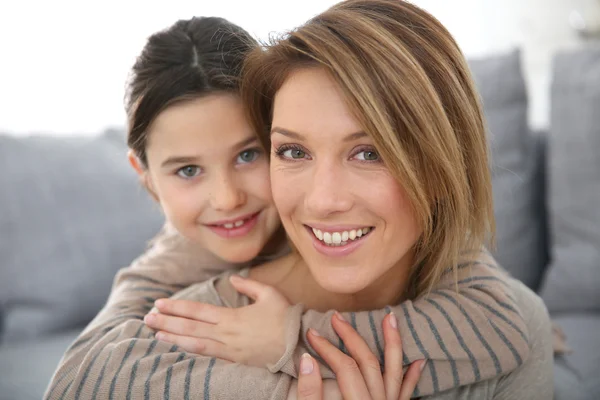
247 156
189 171
367 155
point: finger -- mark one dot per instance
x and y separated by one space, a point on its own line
255 290
368 363
192 310
393 357
350 380
310 384
411 378
204 347
181 326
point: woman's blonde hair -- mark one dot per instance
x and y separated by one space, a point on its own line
408 85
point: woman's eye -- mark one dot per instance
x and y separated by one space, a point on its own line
247 156
367 155
189 171
294 154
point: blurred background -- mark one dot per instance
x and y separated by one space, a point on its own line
72 212
64 62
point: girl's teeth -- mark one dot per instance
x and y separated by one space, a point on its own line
352 235
345 236
235 224
327 238
365 231
359 233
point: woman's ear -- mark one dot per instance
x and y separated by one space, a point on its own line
143 174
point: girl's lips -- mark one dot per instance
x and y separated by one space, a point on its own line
236 231
336 251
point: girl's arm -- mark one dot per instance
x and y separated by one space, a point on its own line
468 335
170 264
125 361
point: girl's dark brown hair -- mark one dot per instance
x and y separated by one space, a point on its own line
190 59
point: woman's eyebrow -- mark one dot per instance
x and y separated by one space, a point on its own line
294 135
286 132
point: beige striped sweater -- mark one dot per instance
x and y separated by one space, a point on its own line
468 336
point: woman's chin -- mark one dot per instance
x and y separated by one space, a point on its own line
340 281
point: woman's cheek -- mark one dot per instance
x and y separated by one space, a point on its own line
284 190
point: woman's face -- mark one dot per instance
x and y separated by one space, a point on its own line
208 171
348 217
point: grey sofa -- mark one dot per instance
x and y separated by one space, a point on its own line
72 214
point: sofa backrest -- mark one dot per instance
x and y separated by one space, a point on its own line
516 163
71 214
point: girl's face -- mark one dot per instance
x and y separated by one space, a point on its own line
210 175
348 217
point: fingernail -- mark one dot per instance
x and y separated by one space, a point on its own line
149 318
153 311
234 278
159 303
314 332
306 364
423 365
159 336
339 316
393 320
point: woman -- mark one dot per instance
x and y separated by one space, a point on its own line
370 109
84 366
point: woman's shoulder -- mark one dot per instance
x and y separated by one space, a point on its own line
534 378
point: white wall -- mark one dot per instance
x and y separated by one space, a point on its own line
63 63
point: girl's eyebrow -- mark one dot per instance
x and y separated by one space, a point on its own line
176 160
245 142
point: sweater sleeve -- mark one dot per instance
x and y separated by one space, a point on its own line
468 332
117 348
170 264
118 358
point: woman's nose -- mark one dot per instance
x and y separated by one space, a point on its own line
326 192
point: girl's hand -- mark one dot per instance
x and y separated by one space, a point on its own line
358 376
252 335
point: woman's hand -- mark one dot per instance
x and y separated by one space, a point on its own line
252 335
358 376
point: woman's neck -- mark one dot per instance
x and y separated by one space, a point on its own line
292 277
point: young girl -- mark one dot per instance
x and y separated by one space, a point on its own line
202 161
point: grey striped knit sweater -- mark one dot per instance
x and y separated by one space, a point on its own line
471 335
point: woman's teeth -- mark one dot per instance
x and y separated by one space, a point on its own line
339 238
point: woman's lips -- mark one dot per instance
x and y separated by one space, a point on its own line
338 243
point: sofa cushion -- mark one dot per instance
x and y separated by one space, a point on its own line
576 374
573 279
515 162
73 213
26 367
